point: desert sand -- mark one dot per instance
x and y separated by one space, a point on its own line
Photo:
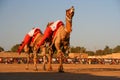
72 72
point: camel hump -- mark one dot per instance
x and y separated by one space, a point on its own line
54 26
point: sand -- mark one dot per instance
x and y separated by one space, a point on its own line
72 72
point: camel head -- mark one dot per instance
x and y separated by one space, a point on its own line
70 13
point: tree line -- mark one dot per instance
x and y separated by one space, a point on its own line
105 51
78 49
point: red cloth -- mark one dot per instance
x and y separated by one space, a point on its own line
49 33
35 34
58 25
32 34
25 41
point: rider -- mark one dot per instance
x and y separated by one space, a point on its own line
28 37
50 31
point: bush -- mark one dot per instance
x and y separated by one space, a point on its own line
1 49
15 48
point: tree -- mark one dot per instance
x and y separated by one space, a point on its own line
99 52
1 49
116 49
72 50
78 49
107 50
82 50
90 53
15 48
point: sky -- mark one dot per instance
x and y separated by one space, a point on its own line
96 23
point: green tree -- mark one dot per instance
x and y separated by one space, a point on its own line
15 48
78 49
82 50
99 52
116 49
72 49
107 50
1 49
90 53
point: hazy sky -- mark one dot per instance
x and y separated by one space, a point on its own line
96 23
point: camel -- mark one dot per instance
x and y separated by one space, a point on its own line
61 40
31 47
59 43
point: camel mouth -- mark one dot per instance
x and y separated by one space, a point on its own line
72 13
72 10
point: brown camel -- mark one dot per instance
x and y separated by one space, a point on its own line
61 40
31 47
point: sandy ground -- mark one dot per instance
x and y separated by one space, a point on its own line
72 72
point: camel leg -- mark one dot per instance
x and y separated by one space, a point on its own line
44 62
44 58
60 55
26 49
35 61
28 60
50 61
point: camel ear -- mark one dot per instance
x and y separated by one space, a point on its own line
72 7
48 24
66 10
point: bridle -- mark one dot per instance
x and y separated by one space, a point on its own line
70 20
72 11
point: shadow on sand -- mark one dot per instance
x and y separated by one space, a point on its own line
52 76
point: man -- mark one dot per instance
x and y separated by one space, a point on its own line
50 31
28 37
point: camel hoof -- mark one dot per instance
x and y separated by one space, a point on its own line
49 69
44 68
27 68
60 71
35 69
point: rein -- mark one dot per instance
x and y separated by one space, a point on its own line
70 20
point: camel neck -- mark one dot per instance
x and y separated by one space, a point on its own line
68 25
